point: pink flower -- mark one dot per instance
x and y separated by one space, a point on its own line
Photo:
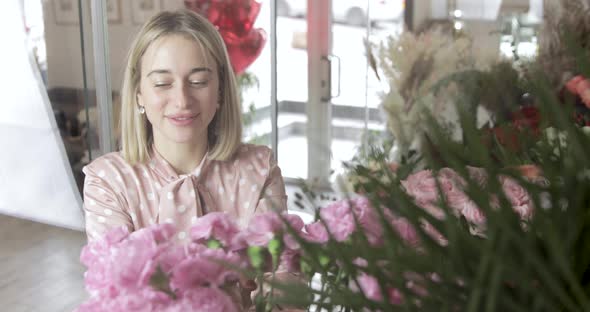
316 232
121 262
204 299
144 300
162 232
452 185
219 226
173 256
434 233
264 227
371 289
368 219
134 260
95 249
406 230
209 267
421 186
95 256
572 84
473 214
340 221
518 197
581 87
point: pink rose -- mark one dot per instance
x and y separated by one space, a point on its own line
406 231
264 227
209 267
431 231
582 86
125 265
422 186
473 214
370 287
144 300
162 233
368 219
173 256
585 95
518 197
339 220
204 299
432 209
95 249
96 257
572 84
316 232
134 260
219 226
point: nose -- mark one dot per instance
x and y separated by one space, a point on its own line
182 96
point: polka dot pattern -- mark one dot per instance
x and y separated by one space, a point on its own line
118 194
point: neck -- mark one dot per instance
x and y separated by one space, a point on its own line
183 157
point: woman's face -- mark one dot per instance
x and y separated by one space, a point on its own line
179 89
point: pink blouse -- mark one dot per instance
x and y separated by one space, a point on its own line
118 194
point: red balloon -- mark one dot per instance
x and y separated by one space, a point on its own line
235 21
237 16
243 51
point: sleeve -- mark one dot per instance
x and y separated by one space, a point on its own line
104 208
273 196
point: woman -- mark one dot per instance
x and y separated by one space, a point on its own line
181 152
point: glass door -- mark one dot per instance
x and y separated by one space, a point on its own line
358 28
327 95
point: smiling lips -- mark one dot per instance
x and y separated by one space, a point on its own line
182 120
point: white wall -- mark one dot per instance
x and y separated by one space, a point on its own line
64 62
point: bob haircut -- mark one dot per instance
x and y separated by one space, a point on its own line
225 129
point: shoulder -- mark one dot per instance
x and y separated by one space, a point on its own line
108 163
260 154
250 159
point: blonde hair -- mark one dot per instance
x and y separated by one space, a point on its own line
224 131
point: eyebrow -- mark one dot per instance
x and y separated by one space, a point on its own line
166 71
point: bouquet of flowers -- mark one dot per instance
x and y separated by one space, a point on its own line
148 271
476 231
413 64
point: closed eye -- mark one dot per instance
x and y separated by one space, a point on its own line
162 84
198 82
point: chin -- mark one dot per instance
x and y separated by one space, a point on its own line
182 138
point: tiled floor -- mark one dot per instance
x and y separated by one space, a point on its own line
39 267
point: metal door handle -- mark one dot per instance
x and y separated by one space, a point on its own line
328 82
